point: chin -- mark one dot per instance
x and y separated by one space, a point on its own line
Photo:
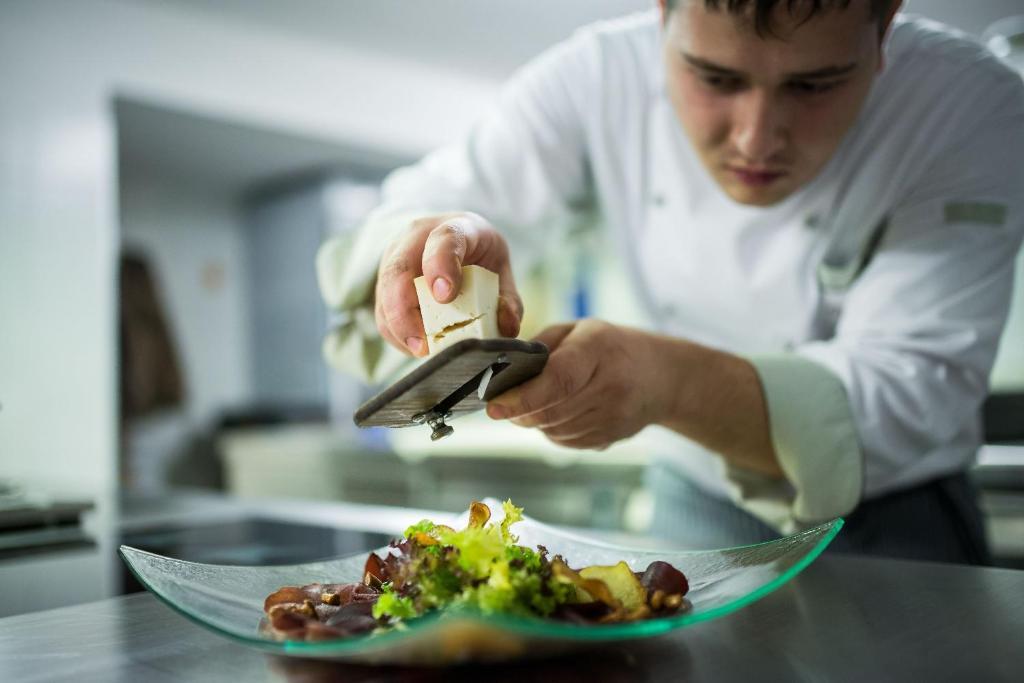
757 195
760 196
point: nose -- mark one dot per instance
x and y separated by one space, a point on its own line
759 127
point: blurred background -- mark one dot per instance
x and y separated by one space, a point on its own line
168 169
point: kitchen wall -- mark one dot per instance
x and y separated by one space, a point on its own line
195 240
61 66
289 319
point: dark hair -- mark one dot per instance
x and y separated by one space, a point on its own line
762 9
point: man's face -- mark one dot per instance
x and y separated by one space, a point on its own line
766 113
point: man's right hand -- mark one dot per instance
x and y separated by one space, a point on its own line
437 247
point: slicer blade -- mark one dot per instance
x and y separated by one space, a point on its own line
457 381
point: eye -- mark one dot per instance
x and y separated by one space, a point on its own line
720 83
813 87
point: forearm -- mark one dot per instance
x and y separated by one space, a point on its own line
716 399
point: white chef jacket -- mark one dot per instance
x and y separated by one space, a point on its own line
870 301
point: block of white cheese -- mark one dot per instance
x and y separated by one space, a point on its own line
473 314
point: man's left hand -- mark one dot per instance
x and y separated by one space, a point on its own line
600 385
604 383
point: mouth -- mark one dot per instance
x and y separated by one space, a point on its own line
755 177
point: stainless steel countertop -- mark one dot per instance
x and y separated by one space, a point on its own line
842 619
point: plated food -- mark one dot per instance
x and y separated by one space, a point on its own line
229 599
480 569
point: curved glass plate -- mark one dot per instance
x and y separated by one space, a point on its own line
229 599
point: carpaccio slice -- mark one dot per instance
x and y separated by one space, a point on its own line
321 611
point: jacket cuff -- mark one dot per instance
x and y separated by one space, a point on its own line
815 440
346 265
346 268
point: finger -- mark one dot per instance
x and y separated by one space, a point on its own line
399 316
555 416
566 374
444 254
382 326
552 336
510 314
595 440
378 309
401 312
576 426
495 256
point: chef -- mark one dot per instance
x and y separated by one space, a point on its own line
819 203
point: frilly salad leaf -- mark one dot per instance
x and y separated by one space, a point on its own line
393 605
480 567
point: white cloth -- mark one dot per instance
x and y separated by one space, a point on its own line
936 154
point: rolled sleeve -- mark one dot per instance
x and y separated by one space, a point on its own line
815 440
346 269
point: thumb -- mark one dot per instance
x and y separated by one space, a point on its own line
510 305
552 336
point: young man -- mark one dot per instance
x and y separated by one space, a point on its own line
820 203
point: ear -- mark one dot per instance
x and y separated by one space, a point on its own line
885 23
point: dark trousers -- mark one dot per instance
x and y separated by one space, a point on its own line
938 520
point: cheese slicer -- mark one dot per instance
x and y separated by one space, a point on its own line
458 380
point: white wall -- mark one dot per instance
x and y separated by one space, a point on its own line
285 230
196 243
61 64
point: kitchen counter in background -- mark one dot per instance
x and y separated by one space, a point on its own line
201 527
485 458
557 485
844 618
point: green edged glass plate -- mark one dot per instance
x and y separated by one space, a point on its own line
229 599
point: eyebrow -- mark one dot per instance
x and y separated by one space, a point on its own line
825 72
